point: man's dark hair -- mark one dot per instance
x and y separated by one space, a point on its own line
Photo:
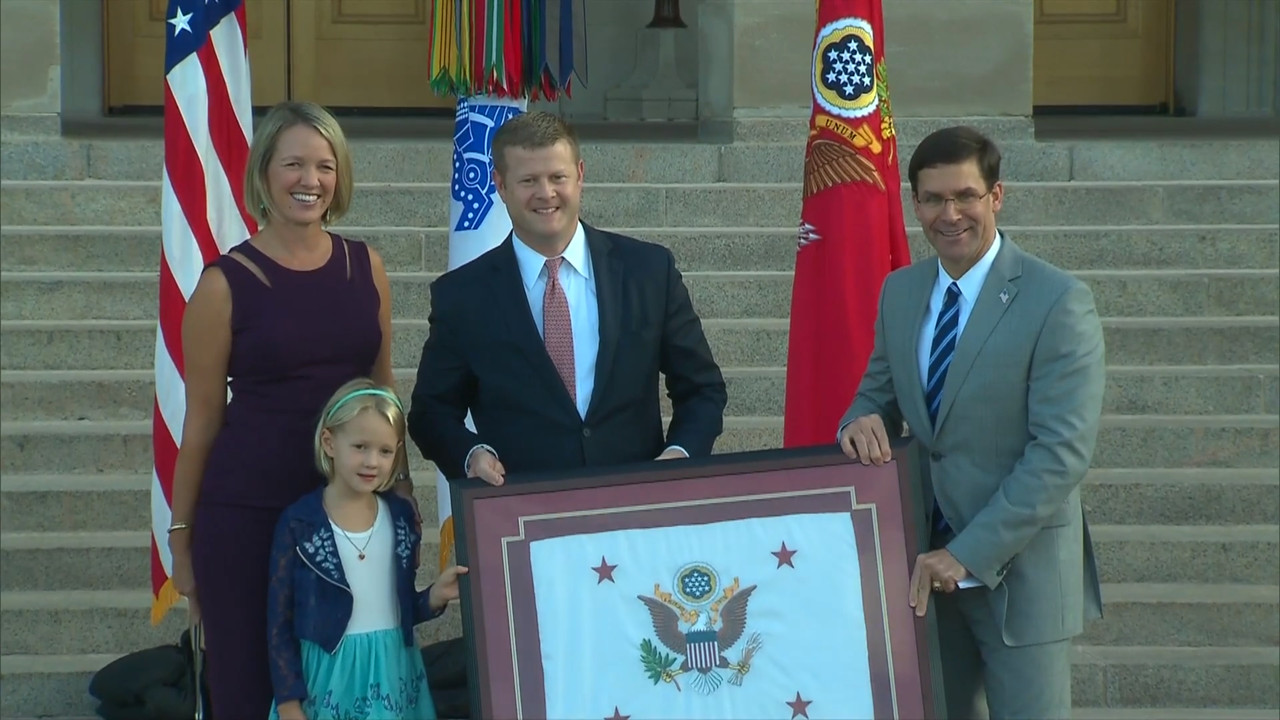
955 146
532 131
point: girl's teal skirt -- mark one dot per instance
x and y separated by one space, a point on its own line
371 676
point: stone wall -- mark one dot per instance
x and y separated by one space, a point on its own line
30 57
945 57
744 58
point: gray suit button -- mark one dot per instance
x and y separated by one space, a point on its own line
586 432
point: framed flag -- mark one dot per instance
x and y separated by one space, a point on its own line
768 584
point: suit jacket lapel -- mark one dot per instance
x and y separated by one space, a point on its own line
607 272
987 311
507 289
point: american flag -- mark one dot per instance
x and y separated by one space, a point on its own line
207 127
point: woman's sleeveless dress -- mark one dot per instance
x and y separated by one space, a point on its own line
295 339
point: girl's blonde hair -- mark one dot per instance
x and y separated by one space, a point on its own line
350 400
257 195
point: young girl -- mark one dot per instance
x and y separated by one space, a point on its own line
343 602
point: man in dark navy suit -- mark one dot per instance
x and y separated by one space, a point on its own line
554 340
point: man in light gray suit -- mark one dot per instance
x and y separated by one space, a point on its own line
995 361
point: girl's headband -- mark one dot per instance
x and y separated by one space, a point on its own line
365 391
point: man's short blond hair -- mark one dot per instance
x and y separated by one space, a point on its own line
532 131
257 194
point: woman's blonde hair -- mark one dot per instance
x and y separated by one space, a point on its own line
257 194
350 400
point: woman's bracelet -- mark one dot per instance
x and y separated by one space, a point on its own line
179 526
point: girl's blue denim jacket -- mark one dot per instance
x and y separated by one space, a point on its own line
308 597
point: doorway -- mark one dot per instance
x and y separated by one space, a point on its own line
1103 56
347 55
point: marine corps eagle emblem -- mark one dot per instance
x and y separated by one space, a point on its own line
698 605
845 86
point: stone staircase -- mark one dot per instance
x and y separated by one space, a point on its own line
1178 240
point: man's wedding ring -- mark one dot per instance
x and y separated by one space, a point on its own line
937 586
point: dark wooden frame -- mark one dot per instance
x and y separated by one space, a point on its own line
912 640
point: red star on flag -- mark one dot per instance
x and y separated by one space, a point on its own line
604 571
799 707
784 555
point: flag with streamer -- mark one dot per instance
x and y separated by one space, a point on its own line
494 56
851 231
207 128
528 49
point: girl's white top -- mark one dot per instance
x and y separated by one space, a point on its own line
372 580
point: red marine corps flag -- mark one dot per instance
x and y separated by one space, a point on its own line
851 227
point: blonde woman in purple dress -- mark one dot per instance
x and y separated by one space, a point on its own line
283 319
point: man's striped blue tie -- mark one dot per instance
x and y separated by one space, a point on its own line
945 333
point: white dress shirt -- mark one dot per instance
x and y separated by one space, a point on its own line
577 277
578 281
970 284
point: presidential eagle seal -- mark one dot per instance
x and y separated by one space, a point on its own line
686 624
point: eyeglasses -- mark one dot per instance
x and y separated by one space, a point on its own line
963 201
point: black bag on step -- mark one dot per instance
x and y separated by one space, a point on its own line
153 684
446 663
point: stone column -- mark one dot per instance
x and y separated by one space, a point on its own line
655 89
30 66
1234 56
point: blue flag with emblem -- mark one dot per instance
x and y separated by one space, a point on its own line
478 222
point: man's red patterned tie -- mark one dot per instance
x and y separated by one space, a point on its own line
557 329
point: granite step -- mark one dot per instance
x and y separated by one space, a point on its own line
1204 713
1125 441
430 160
1120 683
105 560
1230 554
97 202
93 502
1141 390
1186 615
99 295
1150 341
64 622
1198 554
1150 678
59 248
1108 161
96 502
118 621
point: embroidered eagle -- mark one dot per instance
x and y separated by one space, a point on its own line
829 163
703 646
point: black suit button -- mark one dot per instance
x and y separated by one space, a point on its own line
935 456
586 432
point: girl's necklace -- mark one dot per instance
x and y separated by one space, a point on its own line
359 550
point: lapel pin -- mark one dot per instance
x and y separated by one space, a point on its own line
1004 296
